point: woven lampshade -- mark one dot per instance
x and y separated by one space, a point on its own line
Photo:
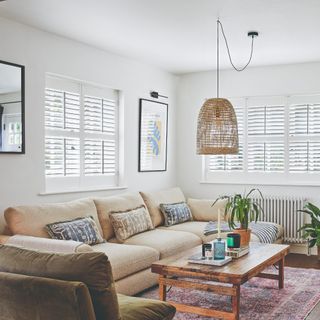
217 131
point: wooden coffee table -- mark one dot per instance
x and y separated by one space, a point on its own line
176 271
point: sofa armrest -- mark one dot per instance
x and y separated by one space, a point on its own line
29 297
4 239
48 245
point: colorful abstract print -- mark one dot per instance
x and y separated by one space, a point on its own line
154 137
175 213
82 229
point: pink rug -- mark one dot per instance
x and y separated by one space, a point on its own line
260 298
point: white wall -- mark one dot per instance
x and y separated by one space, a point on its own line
22 176
264 81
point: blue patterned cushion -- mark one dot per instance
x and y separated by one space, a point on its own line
82 229
175 213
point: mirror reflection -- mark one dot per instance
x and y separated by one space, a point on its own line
11 108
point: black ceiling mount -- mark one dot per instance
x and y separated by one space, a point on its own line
253 34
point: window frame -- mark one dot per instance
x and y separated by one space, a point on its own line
82 183
267 178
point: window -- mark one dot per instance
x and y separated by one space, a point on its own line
279 143
81 135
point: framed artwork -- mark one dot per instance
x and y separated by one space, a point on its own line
153 132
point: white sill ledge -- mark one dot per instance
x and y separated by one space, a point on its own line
48 193
292 184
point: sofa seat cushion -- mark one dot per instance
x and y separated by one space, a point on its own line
31 220
154 199
119 203
132 308
165 241
126 260
195 227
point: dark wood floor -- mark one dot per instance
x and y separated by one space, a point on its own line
296 260
303 261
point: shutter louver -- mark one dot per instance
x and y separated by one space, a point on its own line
62 110
62 157
265 120
99 115
266 156
99 157
304 156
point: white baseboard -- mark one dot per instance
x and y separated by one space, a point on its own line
303 249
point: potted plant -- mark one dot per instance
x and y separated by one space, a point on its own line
242 209
312 229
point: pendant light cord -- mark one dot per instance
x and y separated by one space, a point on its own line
228 49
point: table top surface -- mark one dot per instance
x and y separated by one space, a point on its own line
259 257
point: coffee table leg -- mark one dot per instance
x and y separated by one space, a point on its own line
281 273
162 288
236 302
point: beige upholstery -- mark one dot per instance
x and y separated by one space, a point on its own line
195 227
137 282
121 202
202 209
31 220
125 259
165 241
3 239
154 199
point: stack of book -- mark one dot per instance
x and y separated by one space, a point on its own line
237 252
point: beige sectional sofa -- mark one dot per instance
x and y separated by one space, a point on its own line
132 259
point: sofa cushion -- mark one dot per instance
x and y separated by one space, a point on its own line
202 209
81 229
153 200
165 241
128 223
47 245
126 260
31 220
91 268
132 308
194 227
121 202
175 213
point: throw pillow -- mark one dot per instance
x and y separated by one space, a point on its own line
175 213
81 229
129 223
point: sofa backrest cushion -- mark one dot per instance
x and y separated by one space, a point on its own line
154 199
119 203
31 220
202 209
91 268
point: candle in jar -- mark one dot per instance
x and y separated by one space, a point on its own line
219 224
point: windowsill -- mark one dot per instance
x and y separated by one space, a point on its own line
293 184
100 188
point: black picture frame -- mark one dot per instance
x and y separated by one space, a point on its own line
23 144
162 108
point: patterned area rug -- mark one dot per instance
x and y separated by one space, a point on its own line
260 298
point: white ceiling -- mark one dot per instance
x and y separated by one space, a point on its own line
179 35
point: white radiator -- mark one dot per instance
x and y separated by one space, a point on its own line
284 211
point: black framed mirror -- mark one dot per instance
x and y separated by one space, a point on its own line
12 104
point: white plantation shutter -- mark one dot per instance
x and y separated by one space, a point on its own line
62 157
81 142
230 162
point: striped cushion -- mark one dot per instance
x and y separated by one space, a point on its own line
81 229
129 223
175 213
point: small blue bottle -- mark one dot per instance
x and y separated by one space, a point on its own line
219 249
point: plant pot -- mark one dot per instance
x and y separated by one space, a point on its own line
245 236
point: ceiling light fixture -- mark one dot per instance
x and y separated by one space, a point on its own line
217 131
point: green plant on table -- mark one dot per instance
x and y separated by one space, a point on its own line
242 208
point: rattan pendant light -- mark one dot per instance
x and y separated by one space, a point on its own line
217 131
